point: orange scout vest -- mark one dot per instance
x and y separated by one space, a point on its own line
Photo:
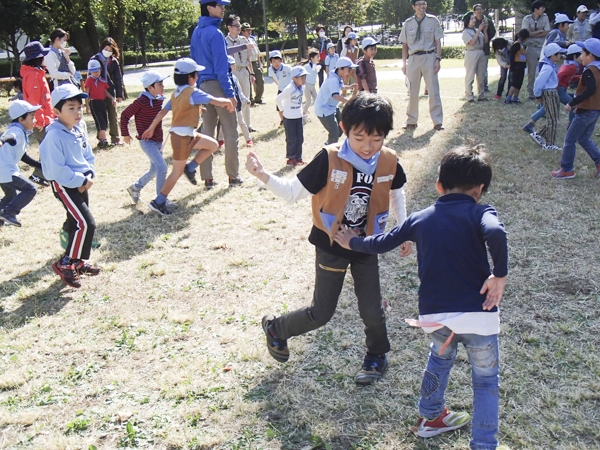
329 204
184 114
592 103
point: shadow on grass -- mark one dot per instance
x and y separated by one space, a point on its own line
269 135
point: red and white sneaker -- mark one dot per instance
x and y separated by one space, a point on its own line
84 268
67 274
249 143
447 421
562 175
290 162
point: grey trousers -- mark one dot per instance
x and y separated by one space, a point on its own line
332 125
329 279
229 123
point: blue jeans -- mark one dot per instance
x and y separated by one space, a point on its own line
503 78
564 98
12 203
158 166
483 355
581 130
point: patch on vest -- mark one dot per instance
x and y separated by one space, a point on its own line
338 177
385 178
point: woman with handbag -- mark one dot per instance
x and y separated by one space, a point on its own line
58 62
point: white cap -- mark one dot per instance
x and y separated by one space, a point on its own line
65 92
94 65
345 62
329 45
368 41
230 59
187 65
275 54
298 71
574 48
19 107
561 18
352 35
582 8
152 76
552 49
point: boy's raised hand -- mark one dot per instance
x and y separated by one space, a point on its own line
494 287
255 167
344 235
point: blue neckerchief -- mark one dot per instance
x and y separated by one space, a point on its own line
367 166
300 88
570 62
52 49
22 128
546 60
152 97
596 64
180 89
96 80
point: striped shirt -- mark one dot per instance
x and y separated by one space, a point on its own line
144 115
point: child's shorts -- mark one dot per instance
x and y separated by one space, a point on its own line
517 77
100 114
277 107
183 145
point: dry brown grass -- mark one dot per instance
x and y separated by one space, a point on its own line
164 348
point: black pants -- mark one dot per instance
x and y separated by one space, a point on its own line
100 114
330 273
294 137
80 222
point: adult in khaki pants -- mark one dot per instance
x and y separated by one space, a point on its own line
254 54
475 40
421 45
244 71
538 25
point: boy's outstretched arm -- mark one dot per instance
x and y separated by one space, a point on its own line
494 287
255 167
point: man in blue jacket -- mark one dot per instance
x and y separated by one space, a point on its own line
209 49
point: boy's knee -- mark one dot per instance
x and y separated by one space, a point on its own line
430 384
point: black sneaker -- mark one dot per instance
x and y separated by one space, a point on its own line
103 144
372 370
67 274
84 268
38 178
277 347
9 219
191 176
160 209
209 183
237 181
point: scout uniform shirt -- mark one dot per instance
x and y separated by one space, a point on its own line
430 32
531 24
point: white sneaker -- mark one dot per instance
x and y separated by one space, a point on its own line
552 147
171 206
134 193
537 139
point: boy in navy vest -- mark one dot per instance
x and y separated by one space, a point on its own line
354 185
459 294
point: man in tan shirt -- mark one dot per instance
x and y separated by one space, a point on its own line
244 71
538 25
421 55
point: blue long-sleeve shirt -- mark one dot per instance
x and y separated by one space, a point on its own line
10 155
209 49
546 79
66 155
451 237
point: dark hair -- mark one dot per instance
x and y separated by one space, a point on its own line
110 42
573 56
351 29
183 79
24 116
230 19
312 52
465 168
499 44
523 34
370 113
35 62
61 103
59 33
537 5
477 5
18 83
319 27
467 19
204 8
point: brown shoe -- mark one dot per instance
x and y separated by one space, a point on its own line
410 126
438 127
84 268
67 274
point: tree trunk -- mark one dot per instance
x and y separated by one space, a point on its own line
85 38
117 30
302 45
13 47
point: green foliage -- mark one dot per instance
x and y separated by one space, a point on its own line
343 11
131 437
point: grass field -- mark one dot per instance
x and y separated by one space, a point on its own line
164 349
